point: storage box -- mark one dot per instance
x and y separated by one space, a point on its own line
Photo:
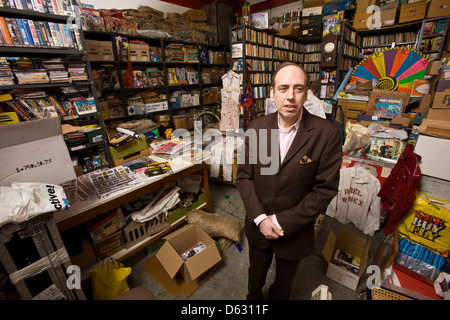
336 6
106 224
128 148
351 244
378 93
435 153
364 4
181 241
109 245
289 31
388 13
438 8
412 11
442 94
311 20
33 152
93 50
196 15
360 21
437 123
106 50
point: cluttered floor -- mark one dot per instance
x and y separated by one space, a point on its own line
229 280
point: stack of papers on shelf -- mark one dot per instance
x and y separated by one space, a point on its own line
111 180
172 149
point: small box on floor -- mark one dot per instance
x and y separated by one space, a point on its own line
349 245
180 241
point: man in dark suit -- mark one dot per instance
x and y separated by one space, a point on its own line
282 204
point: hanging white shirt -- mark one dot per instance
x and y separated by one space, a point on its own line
357 200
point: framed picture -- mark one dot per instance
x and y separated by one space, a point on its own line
260 20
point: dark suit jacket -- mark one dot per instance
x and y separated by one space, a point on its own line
299 191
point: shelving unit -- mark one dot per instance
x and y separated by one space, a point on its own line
374 40
430 41
75 51
263 51
168 88
348 56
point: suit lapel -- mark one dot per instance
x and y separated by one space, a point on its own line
304 133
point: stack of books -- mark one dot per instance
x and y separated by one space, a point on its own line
6 75
56 70
77 70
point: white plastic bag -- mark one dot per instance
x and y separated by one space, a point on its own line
24 200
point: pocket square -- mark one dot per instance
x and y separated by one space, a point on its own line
305 160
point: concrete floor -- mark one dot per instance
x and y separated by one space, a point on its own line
229 281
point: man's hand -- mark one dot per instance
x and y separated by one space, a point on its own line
269 229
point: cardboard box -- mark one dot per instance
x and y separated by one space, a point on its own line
180 123
33 152
181 241
376 93
442 94
130 157
336 6
351 244
433 67
196 15
361 19
435 153
84 259
437 123
93 50
388 13
412 11
438 8
128 148
312 11
362 5
289 31
109 245
106 50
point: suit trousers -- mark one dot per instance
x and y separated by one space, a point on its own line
285 270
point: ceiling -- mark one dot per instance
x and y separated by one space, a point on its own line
255 5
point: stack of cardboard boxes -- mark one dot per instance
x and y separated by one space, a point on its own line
100 50
374 14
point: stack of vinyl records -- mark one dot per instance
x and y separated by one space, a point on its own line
6 75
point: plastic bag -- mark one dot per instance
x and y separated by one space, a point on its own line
357 142
109 280
427 224
24 200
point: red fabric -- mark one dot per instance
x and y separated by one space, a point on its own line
398 192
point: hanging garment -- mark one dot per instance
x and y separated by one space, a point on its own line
399 190
357 201
229 115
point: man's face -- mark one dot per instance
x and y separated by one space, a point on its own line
289 93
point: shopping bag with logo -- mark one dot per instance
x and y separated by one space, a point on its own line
427 224
109 280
